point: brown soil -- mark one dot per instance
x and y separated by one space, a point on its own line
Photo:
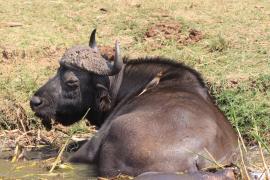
107 51
169 30
11 53
193 36
156 34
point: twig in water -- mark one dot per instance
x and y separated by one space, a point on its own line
59 156
64 147
242 161
16 154
262 156
213 159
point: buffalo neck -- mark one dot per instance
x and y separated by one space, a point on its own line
138 74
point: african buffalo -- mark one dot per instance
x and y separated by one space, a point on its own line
154 114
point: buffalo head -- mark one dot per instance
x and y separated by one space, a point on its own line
81 82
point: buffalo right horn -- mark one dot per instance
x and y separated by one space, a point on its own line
118 62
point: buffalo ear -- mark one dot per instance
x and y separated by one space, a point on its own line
103 98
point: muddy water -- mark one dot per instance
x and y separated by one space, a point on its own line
36 170
37 167
255 159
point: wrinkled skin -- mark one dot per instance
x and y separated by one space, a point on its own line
163 129
153 114
67 96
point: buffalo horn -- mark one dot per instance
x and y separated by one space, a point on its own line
118 62
92 41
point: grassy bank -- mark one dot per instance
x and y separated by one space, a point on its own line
231 51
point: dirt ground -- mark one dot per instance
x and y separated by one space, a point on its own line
157 34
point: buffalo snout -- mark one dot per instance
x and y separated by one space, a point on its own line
36 102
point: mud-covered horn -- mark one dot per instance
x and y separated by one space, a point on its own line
118 62
92 41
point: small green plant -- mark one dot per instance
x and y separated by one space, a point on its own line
218 44
78 128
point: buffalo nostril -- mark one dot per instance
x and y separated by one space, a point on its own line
35 101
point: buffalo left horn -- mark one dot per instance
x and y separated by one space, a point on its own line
92 40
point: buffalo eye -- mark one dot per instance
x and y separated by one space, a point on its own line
70 79
72 83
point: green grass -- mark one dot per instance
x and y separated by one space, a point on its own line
247 106
235 47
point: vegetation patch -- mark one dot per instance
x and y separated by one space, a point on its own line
240 103
13 116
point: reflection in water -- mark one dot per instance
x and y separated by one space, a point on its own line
38 169
38 163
